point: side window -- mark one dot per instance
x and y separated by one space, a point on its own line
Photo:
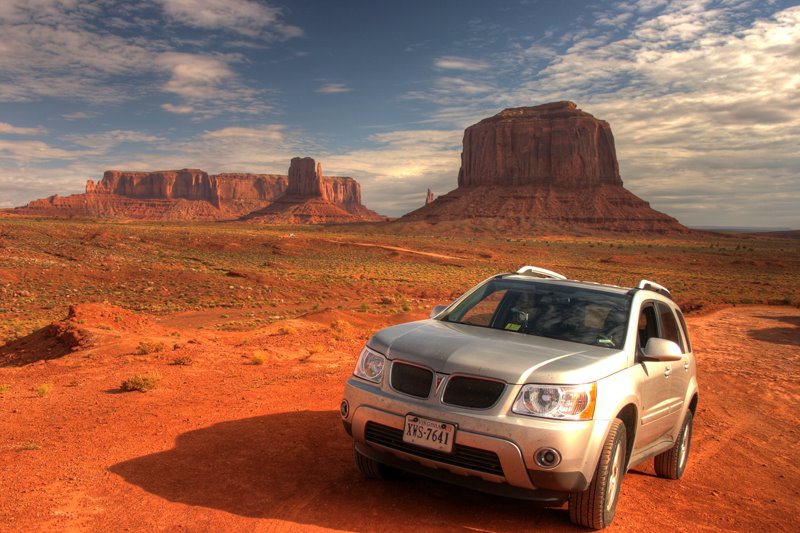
648 325
669 326
481 314
685 331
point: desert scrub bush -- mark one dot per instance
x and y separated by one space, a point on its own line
287 330
183 360
141 382
258 357
146 347
4 388
342 330
43 389
317 348
27 447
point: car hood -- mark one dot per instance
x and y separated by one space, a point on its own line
512 357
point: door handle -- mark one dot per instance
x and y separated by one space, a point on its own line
667 370
686 365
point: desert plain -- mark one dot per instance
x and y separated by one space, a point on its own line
248 332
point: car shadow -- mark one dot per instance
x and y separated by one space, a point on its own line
298 467
779 335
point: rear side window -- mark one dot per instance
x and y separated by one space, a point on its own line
685 331
669 326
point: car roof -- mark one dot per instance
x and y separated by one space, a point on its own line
614 289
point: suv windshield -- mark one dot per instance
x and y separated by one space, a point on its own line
563 312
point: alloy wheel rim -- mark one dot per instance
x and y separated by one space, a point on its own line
684 445
613 478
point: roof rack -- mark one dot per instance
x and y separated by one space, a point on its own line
542 272
655 287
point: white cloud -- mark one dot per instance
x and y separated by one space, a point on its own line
460 63
177 109
80 115
695 96
334 88
242 16
396 173
8 129
105 140
270 132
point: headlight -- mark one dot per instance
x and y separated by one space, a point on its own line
565 402
370 365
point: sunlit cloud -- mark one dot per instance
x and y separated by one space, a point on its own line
247 17
8 129
460 63
334 88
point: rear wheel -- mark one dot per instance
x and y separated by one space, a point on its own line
370 468
595 507
672 462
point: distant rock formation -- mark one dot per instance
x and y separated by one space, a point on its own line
549 166
192 194
312 198
429 198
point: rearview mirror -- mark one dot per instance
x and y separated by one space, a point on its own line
662 350
436 310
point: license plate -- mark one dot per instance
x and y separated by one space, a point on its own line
429 433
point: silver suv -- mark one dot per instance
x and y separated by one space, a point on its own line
530 385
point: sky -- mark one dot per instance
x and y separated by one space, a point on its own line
703 96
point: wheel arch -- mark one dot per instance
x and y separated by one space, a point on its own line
630 418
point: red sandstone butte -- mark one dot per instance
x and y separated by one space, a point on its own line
312 198
192 194
549 166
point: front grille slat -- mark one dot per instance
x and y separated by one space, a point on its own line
462 456
472 392
411 379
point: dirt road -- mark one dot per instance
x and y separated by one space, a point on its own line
223 444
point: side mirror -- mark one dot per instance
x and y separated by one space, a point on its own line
436 310
662 350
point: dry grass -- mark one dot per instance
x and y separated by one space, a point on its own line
287 330
141 382
43 389
258 357
183 360
148 347
342 330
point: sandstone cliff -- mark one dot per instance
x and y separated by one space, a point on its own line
312 198
544 167
192 194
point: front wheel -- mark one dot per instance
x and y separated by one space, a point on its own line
370 468
595 507
672 463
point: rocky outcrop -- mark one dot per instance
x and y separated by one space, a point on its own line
192 194
312 198
305 177
429 197
549 166
553 144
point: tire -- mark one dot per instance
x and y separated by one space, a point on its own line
595 507
372 469
672 463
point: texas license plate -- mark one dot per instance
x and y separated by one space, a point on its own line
429 433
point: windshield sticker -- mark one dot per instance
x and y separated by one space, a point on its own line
513 327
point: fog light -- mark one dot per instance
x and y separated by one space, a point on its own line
344 409
547 457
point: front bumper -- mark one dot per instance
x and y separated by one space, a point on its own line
494 448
